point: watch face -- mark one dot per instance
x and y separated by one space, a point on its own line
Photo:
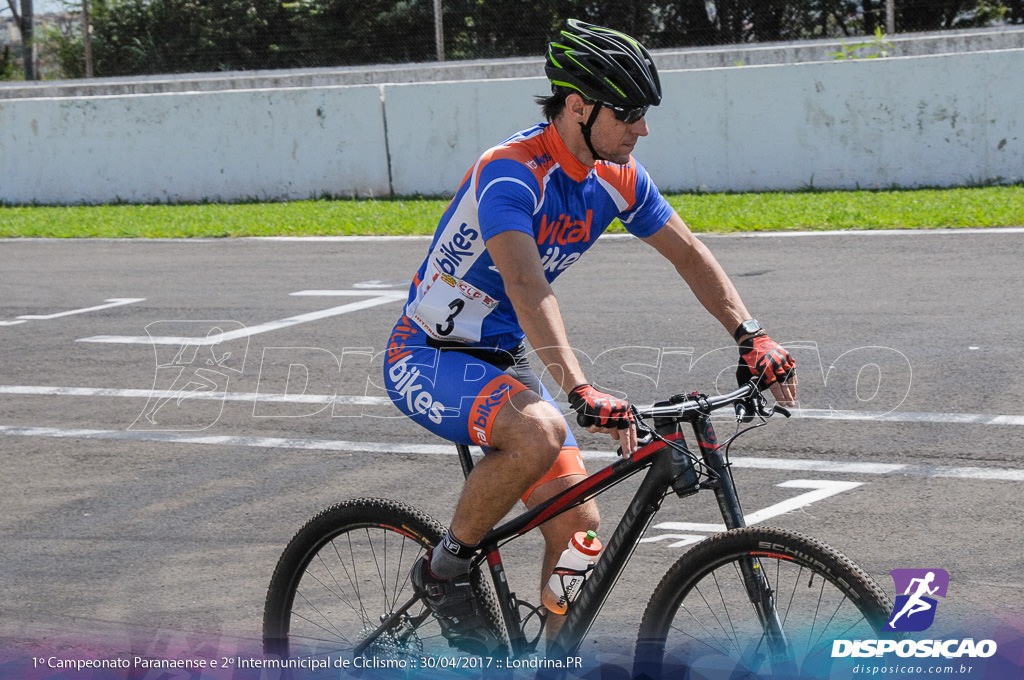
751 326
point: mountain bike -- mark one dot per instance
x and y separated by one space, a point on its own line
755 600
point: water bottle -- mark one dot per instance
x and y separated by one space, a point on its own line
571 571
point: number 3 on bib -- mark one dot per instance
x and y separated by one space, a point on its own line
451 309
456 305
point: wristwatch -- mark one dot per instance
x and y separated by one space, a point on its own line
748 327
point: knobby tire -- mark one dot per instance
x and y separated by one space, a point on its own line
700 620
345 572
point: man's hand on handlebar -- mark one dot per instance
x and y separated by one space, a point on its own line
773 366
600 412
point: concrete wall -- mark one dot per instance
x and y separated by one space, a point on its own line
936 120
223 146
944 121
758 54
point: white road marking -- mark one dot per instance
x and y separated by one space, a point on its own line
814 414
820 489
55 391
339 445
111 302
374 298
911 417
617 236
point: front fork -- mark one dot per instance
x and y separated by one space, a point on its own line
759 590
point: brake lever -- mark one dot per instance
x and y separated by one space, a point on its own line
742 414
745 410
644 434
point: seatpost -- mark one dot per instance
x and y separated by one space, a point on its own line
465 459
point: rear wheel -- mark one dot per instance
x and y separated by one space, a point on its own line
344 574
701 615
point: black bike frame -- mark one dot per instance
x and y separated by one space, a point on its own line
670 467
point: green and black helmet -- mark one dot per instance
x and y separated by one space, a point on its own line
604 65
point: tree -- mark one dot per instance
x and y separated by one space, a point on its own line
174 36
929 15
26 26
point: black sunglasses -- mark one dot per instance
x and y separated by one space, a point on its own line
627 114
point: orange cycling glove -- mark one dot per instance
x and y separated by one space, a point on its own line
595 408
763 357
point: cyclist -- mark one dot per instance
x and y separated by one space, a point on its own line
528 208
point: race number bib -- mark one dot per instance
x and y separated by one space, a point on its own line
452 310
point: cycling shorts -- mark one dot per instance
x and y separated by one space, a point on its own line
456 392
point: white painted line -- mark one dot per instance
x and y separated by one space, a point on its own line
230 440
254 397
870 232
821 465
974 473
374 298
782 464
111 302
910 417
371 238
617 236
820 489
811 414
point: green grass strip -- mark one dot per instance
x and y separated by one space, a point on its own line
812 210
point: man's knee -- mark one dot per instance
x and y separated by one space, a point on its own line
559 530
532 428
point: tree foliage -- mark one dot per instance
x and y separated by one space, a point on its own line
178 36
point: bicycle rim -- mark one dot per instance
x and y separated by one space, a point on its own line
701 623
342 576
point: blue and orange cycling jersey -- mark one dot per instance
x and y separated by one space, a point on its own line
530 183
440 366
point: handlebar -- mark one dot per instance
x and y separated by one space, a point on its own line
747 401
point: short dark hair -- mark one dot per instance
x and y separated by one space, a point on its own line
553 104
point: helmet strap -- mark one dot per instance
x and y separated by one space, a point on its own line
586 127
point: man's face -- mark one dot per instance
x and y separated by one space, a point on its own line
614 139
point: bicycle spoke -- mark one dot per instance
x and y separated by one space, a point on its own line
343 586
717 621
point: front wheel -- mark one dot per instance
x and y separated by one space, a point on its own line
341 588
757 602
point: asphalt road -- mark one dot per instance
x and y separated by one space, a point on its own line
136 521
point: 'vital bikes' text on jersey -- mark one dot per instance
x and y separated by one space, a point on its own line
529 183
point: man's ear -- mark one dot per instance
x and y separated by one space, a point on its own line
575 104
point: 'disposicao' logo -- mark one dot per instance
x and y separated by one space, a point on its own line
916 590
914 611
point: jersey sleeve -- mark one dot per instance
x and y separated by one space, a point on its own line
508 195
649 211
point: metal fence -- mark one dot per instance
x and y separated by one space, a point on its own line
137 37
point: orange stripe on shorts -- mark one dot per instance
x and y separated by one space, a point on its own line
569 462
488 402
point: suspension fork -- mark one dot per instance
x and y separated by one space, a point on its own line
759 590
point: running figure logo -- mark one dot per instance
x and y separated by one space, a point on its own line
914 610
195 361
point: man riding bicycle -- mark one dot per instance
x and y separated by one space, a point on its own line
528 208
